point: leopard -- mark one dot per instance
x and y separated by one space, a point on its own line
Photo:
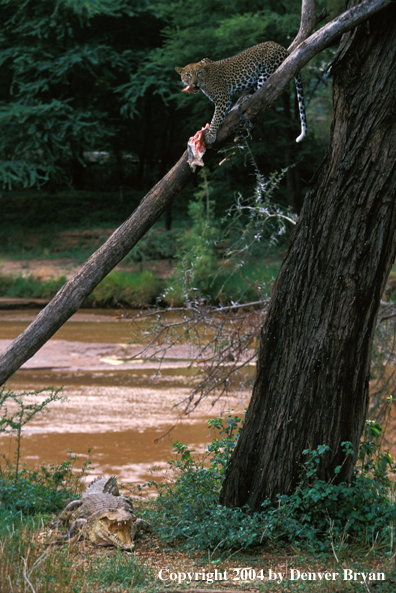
247 70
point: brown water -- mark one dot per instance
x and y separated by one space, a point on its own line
117 407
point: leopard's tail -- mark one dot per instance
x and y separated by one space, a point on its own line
301 107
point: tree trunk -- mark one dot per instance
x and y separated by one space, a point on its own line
312 382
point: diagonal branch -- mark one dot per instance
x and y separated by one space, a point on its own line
71 296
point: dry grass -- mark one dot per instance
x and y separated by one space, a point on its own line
30 563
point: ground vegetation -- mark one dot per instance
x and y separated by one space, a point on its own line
320 528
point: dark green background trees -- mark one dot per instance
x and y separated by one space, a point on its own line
61 63
89 98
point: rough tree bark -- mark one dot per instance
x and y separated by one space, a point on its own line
312 383
71 296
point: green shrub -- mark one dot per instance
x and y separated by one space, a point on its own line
256 225
359 510
248 282
195 253
125 288
30 287
315 515
43 490
158 243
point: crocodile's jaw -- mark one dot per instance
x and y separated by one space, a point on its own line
121 532
112 533
113 527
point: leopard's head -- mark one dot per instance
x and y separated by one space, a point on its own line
194 75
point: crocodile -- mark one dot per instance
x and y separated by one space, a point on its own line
102 516
102 485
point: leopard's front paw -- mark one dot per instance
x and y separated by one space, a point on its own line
210 136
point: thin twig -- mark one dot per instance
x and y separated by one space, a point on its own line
24 572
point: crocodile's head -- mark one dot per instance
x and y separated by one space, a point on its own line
112 528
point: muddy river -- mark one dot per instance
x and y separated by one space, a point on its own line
117 407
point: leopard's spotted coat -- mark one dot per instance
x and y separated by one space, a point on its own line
249 69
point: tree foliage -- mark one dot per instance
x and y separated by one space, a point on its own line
61 63
84 79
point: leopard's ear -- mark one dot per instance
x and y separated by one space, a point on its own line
179 70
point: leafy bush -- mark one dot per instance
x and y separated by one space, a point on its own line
157 243
249 282
127 288
43 490
361 509
130 289
30 287
250 232
315 514
196 253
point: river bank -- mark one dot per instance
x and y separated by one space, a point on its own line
32 283
118 404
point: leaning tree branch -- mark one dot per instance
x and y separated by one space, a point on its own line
71 296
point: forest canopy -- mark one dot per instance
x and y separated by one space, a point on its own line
89 97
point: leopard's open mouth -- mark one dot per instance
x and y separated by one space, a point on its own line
189 88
